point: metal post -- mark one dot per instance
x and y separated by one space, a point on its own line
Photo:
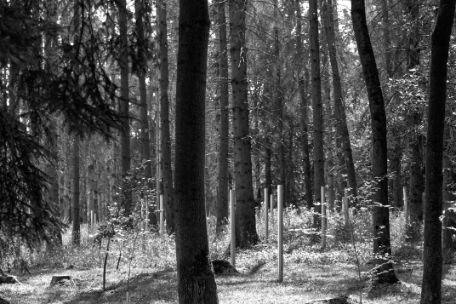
266 217
280 231
233 226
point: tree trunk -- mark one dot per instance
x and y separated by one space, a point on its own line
196 283
304 115
339 107
431 288
125 158
76 231
317 106
277 100
165 139
142 70
222 190
246 234
383 272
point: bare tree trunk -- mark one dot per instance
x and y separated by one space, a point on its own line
222 190
196 283
76 231
125 157
317 106
142 70
383 271
246 234
277 100
431 288
339 107
165 139
304 104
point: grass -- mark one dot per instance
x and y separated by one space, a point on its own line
309 273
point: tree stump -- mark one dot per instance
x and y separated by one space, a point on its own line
59 280
338 300
222 267
7 279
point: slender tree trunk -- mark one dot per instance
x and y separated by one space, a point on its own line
278 100
142 70
196 283
339 107
304 104
76 231
222 190
125 157
317 106
383 271
165 139
246 234
431 288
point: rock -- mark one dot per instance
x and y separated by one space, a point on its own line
8 280
222 267
59 280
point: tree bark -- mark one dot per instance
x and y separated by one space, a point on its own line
339 107
304 104
142 70
196 283
222 190
317 106
431 288
246 234
125 157
383 271
165 140
76 230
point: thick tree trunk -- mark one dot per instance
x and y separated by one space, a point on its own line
165 140
431 288
142 70
196 283
317 106
222 190
246 234
383 272
339 107
125 157
304 104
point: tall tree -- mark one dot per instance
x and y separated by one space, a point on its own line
304 105
196 283
246 234
165 139
222 190
383 271
431 288
339 106
125 157
141 72
76 228
317 105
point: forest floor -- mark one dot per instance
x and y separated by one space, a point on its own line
305 279
147 270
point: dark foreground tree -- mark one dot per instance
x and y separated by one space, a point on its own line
431 292
246 234
383 271
196 283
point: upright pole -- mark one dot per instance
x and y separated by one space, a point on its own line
266 211
406 206
162 215
324 221
233 227
280 231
